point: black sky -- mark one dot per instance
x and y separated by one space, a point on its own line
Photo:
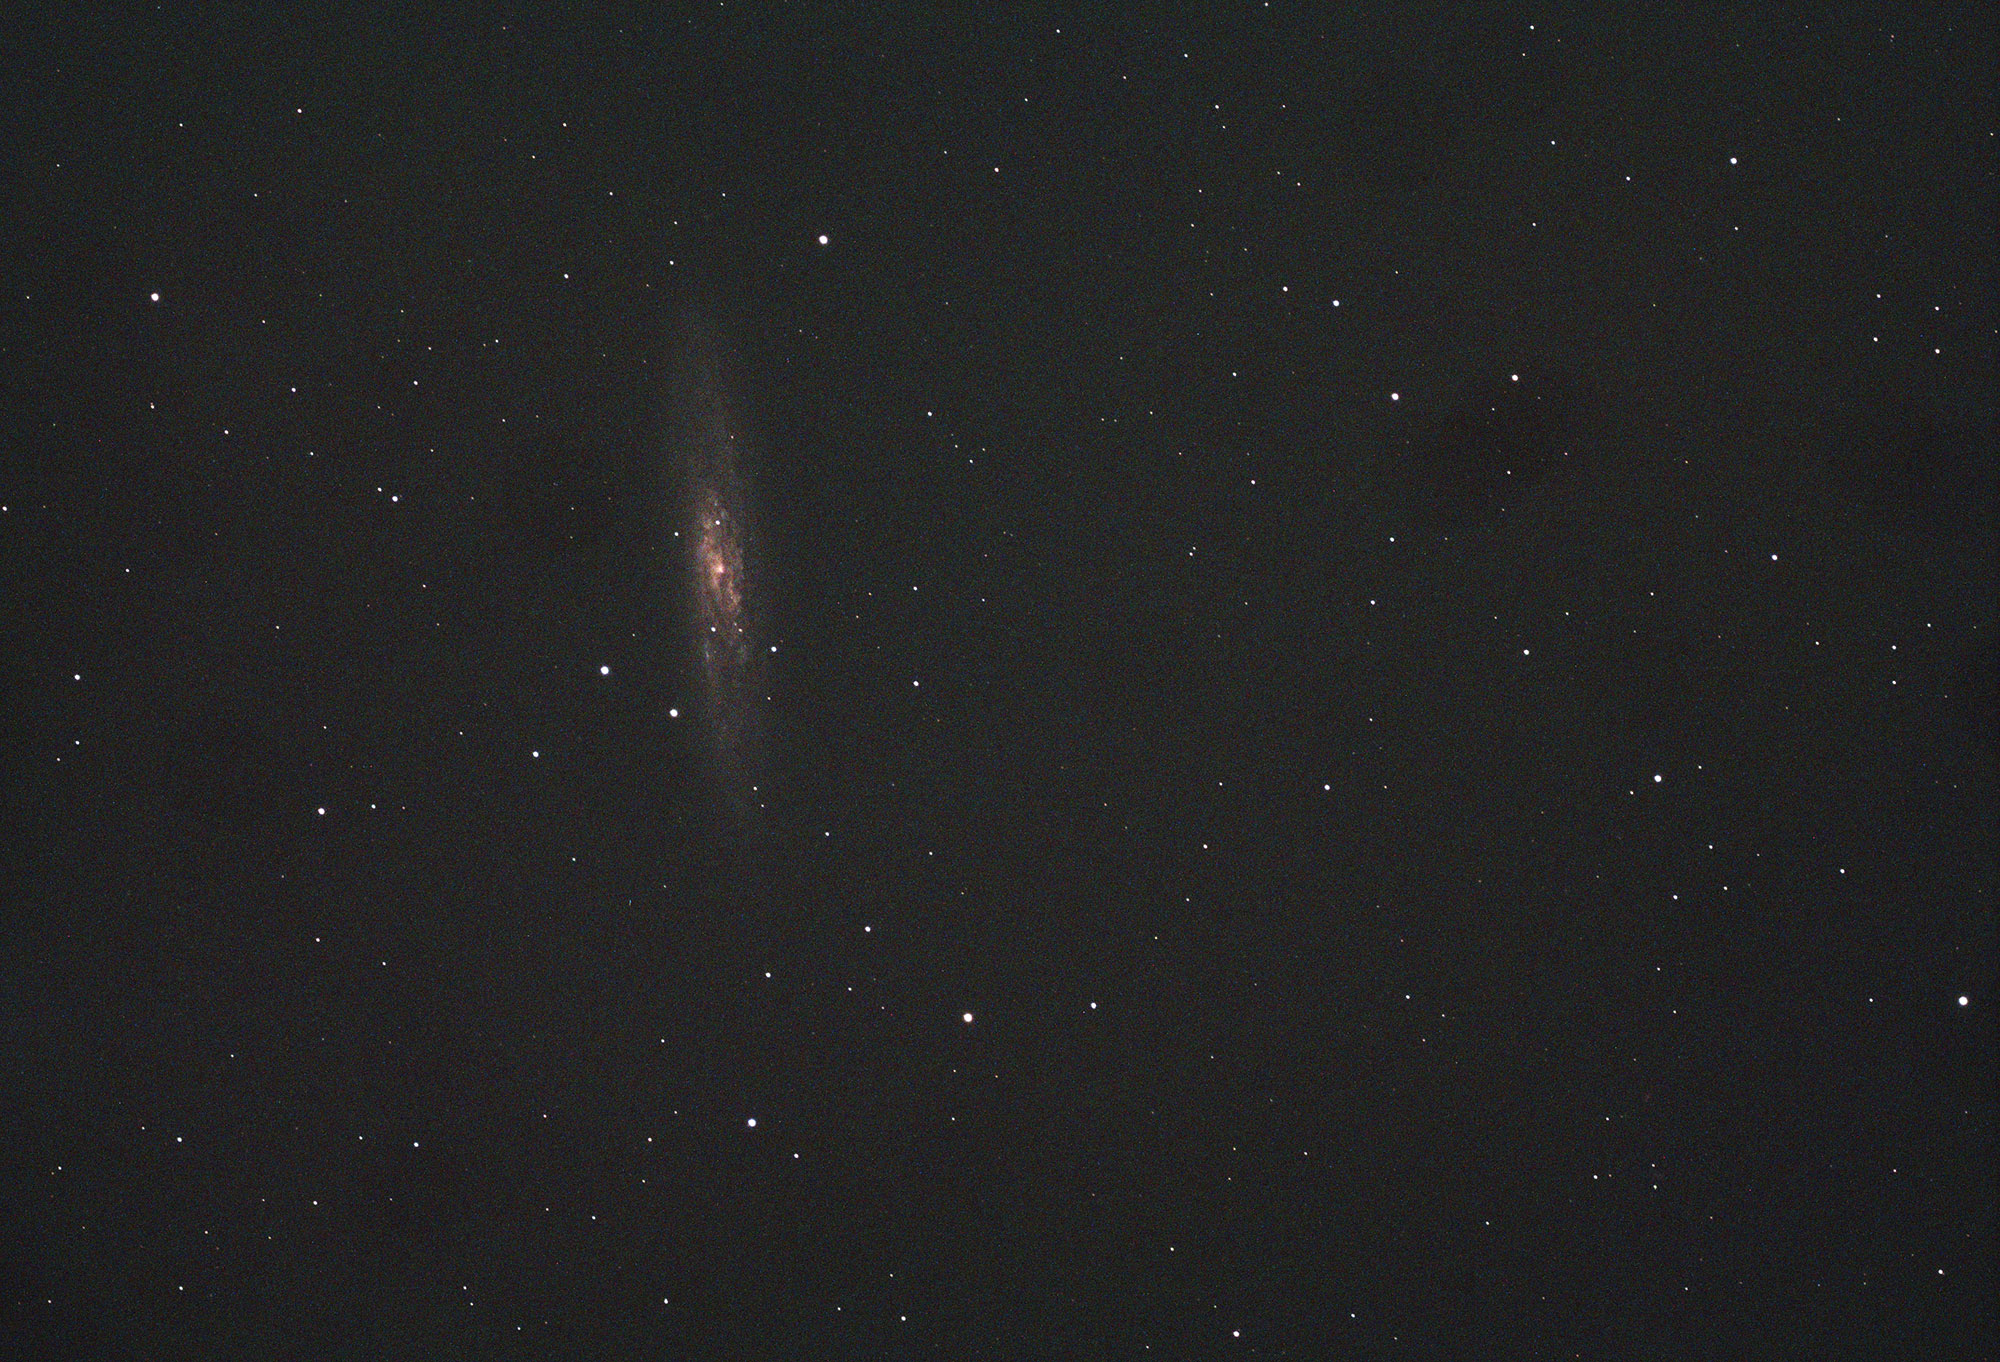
1396 603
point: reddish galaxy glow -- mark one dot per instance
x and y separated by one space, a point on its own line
719 557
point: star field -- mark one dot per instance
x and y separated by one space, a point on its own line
1276 684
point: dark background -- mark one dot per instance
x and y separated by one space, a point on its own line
1464 819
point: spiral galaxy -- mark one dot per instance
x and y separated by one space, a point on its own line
715 526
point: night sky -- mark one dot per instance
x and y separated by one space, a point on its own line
1240 680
